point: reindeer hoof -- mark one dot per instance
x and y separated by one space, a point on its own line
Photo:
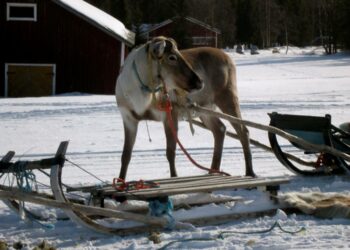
252 174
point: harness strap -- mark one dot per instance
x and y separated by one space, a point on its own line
144 86
167 108
121 185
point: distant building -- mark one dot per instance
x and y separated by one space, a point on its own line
58 46
198 33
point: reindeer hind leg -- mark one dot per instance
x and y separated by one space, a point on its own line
230 105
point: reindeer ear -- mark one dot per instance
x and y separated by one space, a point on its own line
174 43
157 48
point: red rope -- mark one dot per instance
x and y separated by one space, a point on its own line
121 185
167 109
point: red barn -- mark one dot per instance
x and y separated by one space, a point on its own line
197 33
58 46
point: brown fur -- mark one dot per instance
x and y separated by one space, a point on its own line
218 74
220 89
324 205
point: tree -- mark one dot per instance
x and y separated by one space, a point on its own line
260 22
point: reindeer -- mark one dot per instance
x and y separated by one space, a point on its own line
207 75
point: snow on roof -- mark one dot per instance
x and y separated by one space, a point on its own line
99 18
144 29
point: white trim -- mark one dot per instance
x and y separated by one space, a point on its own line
122 54
98 18
9 5
6 80
203 40
35 65
53 79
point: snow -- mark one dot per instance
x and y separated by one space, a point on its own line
100 17
300 82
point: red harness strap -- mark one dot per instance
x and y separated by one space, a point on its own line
167 107
121 185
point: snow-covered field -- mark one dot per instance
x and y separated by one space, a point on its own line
297 83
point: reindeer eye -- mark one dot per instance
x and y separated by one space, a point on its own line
172 58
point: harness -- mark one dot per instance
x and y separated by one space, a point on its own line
144 86
151 86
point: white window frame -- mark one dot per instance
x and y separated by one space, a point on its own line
202 40
9 5
31 64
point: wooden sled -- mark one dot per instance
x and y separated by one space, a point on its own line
315 130
313 135
8 171
98 217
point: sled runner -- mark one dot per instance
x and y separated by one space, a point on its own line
315 130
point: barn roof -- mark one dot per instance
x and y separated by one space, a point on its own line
146 28
99 19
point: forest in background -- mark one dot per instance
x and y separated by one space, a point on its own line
264 23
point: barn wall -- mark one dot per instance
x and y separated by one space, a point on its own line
87 59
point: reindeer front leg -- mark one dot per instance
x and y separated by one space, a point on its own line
130 131
170 129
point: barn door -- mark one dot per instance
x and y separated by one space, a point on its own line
30 80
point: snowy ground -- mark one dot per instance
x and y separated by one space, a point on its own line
297 83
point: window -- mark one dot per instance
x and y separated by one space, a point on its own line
21 12
202 41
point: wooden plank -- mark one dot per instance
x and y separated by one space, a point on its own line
192 181
220 219
62 149
167 180
86 189
180 204
6 166
8 156
214 178
189 178
5 160
155 192
194 184
220 179
91 188
208 182
151 220
43 195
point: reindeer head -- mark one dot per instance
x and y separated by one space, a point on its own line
176 72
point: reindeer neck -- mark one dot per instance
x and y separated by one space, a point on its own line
145 70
